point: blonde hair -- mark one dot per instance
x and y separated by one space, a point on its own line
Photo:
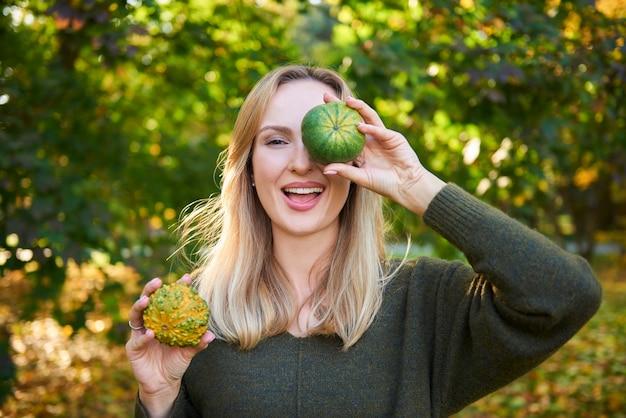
237 274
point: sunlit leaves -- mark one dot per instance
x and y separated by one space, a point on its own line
79 373
112 114
584 378
112 117
533 73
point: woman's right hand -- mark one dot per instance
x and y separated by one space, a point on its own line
158 367
388 164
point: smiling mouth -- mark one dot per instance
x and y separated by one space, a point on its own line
302 194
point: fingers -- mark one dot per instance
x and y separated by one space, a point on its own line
350 172
151 286
185 279
135 315
139 342
330 98
368 114
374 130
206 339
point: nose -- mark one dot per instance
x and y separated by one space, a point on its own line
301 161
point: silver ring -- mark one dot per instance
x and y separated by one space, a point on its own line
134 327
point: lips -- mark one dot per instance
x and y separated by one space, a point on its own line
302 194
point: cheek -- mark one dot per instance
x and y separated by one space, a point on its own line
264 175
342 189
261 167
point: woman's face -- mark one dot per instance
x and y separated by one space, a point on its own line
298 198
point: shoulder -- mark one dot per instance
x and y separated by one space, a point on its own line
425 277
417 294
423 270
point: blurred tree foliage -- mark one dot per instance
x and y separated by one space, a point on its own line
521 102
112 117
112 114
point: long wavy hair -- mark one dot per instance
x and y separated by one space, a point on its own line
230 236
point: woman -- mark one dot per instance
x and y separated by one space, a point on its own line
308 318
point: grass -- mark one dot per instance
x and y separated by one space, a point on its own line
586 377
84 375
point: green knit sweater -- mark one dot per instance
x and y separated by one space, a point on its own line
446 335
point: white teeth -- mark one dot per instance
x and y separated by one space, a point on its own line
303 190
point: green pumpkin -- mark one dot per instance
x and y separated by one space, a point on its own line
177 315
330 134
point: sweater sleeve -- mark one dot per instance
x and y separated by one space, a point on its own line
521 300
182 407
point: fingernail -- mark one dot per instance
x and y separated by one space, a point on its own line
185 276
330 172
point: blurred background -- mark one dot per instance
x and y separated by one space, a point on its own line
112 115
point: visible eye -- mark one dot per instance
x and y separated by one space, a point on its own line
275 140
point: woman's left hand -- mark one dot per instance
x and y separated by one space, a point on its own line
388 165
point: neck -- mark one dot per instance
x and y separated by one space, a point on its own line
301 257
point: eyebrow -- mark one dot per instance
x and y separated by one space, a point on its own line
277 128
